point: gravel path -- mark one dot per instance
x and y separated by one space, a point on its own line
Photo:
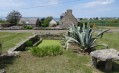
36 31
47 31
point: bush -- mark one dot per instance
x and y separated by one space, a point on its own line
29 43
46 51
83 36
28 27
45 22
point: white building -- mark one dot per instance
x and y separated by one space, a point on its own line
52 23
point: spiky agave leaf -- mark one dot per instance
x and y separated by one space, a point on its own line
83 36
101 33
69 40
72 40
105 45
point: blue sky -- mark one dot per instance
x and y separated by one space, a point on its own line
43 8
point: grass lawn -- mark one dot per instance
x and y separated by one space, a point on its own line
49 42
68 62
111 39
11 39
107 27
65 63
47 48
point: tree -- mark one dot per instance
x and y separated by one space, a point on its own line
96 18
42 19
2 21
46 21
13 17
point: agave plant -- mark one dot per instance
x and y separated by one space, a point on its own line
83 36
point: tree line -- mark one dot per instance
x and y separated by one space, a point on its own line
14 16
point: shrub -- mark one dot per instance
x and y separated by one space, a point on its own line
83 37
29 43
46 50
28 27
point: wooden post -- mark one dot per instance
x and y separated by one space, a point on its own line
94 61
108 66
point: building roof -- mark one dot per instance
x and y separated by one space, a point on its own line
28 20
68 20
52 22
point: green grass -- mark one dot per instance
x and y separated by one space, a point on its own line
46 51
68 62
11 39
111 39
65 63
47 48
49 42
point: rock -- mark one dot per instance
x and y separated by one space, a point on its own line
13 53
74 47
108 66
105 54
2 71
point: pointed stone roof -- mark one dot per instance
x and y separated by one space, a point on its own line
53 22
68 20
28 20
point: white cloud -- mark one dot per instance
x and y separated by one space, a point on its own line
49 2
98 3
93 8
4 4
19 4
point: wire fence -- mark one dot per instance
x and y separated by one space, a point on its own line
106 24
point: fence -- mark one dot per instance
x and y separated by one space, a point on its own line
107 24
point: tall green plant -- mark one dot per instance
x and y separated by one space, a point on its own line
82 35
51 50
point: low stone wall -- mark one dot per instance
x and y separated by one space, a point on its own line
21 46
52 36
35 39
48 28
38 42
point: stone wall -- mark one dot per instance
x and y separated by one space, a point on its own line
52 36
21 46
67 20
36 40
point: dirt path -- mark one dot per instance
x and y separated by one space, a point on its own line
47 31
36 31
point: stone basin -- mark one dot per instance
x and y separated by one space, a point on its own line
107 55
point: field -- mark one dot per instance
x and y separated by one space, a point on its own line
68 62
65 63
10 39
111 39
